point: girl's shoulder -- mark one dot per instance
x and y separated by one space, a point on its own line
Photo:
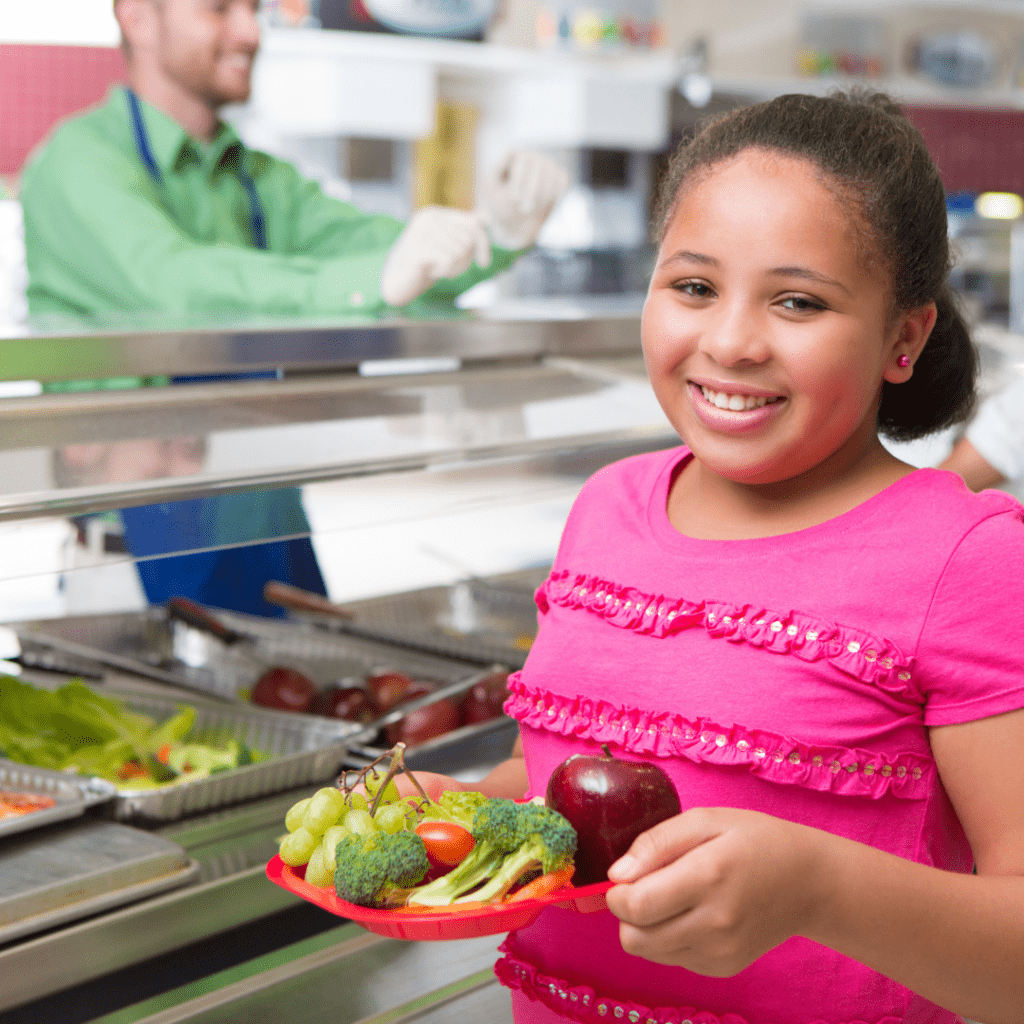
635 476
943 503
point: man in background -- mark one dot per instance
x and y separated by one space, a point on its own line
150 203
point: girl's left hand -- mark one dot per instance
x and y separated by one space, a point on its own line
714 888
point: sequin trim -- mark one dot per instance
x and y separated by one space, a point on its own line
853 651
581 1003
779 758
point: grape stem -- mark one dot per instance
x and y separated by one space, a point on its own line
395 767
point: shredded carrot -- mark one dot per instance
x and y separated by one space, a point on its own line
543 885
163 755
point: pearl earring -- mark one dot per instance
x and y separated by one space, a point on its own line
903 362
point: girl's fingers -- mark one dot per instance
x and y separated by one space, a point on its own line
666 842
674 889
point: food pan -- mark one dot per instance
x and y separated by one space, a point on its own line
474 620
207 663
72 793
325 657
303 749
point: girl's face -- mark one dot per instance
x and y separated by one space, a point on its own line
766 336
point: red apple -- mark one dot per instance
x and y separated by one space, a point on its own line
485 700
425 723
349 702
609 802
284 689
389 688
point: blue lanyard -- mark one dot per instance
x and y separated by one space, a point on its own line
257 224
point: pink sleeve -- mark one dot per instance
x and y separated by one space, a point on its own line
971 649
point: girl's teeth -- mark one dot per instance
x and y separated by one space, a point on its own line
737 403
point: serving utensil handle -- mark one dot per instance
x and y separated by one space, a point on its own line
284 595
198 617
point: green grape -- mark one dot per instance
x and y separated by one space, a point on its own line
372 782
319 871
332 837
360 822
298 846
390 818
358 802
293 819
326 806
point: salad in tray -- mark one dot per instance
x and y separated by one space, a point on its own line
392 863
76 729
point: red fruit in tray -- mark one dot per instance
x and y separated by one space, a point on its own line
433 720
352 703
447 844
284 689
609 802
485 700
389 688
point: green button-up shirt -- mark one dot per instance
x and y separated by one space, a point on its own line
102 235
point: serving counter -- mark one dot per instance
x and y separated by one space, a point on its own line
468 425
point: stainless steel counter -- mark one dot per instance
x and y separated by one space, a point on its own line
148 345
232 847
532 398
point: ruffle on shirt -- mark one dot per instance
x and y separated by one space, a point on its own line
581 1003
773 756
854 651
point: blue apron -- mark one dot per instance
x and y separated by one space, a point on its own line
230 577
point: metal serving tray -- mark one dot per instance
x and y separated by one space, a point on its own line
72 793
477 620
208 664
303 749
82 868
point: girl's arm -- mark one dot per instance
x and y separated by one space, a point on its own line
714 888
506 779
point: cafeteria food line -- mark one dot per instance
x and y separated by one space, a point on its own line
436 431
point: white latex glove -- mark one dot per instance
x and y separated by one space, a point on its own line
437 242
521 194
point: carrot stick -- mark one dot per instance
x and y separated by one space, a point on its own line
543 885
453 908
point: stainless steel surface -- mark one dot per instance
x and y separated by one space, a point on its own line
203 682
68 956
147 345
478 620
177 651
71 793
232 846
72 870
90 451
355 978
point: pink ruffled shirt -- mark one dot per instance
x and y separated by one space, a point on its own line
795 675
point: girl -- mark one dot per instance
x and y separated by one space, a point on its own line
819 644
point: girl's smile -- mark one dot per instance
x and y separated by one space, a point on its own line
732 408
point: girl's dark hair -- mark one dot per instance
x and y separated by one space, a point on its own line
875 159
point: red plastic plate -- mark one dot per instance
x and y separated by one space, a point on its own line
436 924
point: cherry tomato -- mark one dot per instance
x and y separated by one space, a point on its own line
447 843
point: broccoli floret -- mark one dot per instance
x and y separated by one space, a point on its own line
377 869
462 807
496 833
546 842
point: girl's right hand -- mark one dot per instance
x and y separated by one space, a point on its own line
714 888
